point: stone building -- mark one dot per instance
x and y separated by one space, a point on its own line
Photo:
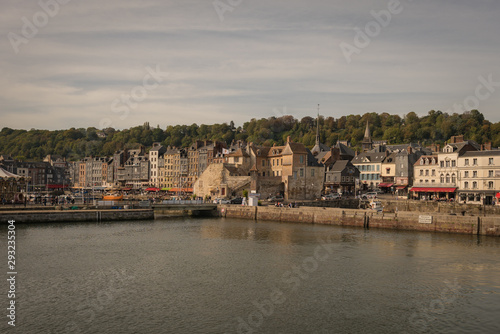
341 177
155 155
479 177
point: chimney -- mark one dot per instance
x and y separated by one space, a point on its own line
487 146
409 149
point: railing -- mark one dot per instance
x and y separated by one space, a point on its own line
183 202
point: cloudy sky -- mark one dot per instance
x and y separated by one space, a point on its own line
120 63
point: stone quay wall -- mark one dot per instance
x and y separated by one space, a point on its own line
45 216
428 221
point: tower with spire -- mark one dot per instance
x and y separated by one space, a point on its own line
318 147
367 143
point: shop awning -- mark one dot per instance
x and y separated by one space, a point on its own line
433 190
400 187
186 190
385 185
498 195
127 189
153 189
58 186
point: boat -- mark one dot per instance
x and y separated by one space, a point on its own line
376 206
112 197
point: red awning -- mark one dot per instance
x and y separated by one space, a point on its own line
127 189
433 190
385 185
58 186
186 190
498 195
401 187
153 189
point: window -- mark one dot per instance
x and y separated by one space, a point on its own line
263 163
474 162
490 185
466 185
447 178
301 159
433 172
453 163
301 172
378 168
474 185
466 162
466 174
388 170
474 174
427 172
273 162
442 164
453 179
447 163
421 172
442 178
490 173
490 161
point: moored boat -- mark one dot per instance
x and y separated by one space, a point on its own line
112 197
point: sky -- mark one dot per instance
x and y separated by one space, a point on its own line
120 63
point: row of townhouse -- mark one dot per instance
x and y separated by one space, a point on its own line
463 171
161 167
48 174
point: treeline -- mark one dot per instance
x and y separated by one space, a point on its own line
74 144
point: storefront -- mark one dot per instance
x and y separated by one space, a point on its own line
433 193
477 197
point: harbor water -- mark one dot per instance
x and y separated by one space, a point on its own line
236 276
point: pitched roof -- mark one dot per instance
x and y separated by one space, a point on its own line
372 157
481 153
344 149
294 148
311 160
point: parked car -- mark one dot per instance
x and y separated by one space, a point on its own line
237 200
331 196
275 198
221 201
369 195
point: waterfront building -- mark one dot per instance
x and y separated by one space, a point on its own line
290 171
174 173
446 170
155 155
341 177
369 165
479 177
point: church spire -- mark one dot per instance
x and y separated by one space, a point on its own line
367 143
368 136
317 128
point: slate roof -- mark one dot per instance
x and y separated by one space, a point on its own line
481 153
373 157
